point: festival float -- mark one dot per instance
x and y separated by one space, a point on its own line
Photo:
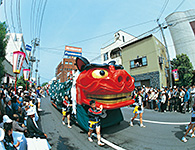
108 84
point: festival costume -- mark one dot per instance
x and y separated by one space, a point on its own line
94 118
138 104
67 109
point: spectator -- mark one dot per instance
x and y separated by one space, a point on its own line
32 126
8 140
186 99
8 109
163 102
18 126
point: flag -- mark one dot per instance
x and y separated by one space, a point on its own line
28 47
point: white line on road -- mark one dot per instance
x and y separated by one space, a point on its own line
167 123
109 143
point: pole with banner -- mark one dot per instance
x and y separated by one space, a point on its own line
26 73
175 74
18 59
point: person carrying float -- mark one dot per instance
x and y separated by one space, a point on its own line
94 121
138 109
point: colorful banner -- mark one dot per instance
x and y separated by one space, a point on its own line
18 58
26 73
28 47
175 74
73 51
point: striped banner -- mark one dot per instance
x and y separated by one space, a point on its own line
73 51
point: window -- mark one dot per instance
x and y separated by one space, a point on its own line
70 63
123 38
106 56
66 62
115 53
139 62
193 26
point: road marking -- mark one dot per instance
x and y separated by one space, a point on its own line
109 143
167 123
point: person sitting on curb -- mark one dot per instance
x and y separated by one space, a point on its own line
32 126
94 121
16 126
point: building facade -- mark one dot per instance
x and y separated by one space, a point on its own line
182 29
112 51
145 59
63 68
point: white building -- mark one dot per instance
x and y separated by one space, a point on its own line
16 43
182 28
112 51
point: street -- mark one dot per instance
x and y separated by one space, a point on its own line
163 131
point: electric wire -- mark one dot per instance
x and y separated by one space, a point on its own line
179 5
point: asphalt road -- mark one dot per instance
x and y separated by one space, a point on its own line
156 136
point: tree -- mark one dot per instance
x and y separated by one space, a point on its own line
3 44
45 83
185 69
22 82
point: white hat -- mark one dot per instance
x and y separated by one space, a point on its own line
30 112
163 92
175 87
6 119
2 134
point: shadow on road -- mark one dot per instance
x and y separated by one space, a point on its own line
63 144
43 113
180 134
115 128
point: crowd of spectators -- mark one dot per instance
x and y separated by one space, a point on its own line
177 99
18 112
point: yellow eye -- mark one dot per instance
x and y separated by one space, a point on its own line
99 74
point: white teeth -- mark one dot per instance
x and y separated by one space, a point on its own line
111 99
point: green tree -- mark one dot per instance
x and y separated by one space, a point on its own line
3 44
185 69
22 82
44 83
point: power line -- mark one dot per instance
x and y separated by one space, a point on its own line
41 22
179 5
12 19
163 8
8 23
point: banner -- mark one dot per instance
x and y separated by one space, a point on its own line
175 74
26 73
18 58
28 47
73 51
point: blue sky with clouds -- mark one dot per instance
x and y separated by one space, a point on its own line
66 22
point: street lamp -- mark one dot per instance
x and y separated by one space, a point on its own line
18 58
26 73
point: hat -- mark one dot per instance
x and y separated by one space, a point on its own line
30 112
175 87
163 92
7 99
6 119
26 92
2 134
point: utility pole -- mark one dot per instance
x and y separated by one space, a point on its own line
36 71
168 57
35 42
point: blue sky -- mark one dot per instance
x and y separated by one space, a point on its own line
69 21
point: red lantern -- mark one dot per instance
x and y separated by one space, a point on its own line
18 58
